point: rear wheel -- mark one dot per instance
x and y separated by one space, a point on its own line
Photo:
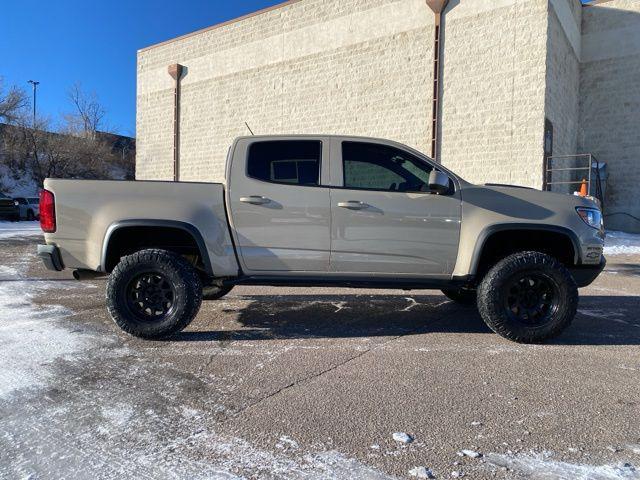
528 297
30 215
153 294
461 296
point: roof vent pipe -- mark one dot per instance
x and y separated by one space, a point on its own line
176 73
438 7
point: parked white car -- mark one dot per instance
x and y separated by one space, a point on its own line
29 207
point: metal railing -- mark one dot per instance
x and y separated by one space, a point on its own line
561 172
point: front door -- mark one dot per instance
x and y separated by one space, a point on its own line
279 211
385 220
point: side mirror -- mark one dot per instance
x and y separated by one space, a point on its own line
438 182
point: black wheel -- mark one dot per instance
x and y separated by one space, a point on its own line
30 215
153 294
213 292
528 297
461 296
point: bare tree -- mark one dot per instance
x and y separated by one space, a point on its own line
89 113
47 154
12 103
75 149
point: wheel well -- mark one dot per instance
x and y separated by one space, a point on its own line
127 240
504 243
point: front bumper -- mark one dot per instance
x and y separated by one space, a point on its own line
50 255
584 275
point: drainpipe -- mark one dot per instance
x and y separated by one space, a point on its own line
438 7
176 73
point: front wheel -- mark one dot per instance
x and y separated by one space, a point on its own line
153 294
528 297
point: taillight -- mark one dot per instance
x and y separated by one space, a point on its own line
47 212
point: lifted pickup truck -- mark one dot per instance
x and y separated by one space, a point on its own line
320 211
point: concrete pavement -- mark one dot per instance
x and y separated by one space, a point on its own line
312 383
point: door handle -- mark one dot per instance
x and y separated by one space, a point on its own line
353 205
255 200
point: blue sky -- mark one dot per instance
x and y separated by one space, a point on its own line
94 42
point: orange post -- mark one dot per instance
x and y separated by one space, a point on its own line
583 188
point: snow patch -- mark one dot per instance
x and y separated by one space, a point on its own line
542 466
469 453
402 437
29 337
19 229
421 472
22 186
287 443
334 465
119 415
6 271
621 243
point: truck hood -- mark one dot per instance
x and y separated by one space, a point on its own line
522 203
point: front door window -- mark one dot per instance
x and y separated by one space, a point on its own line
369 166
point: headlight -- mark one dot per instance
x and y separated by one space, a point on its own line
16 203
591 216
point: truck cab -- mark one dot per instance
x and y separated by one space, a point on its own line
341 207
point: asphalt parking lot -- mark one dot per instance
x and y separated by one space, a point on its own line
312 383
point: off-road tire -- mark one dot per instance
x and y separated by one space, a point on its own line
461 296
213 292
180 276
493 296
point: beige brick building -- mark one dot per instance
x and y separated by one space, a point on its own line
365 67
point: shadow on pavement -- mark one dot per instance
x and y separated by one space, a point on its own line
601 320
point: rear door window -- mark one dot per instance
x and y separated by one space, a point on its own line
291 162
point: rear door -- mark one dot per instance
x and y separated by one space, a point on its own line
384 219
280 213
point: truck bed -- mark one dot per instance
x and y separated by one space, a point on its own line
87 211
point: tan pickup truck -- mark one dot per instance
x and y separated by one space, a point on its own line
326 211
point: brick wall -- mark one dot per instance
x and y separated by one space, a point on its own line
563 87
493 95
610 102
315 66
364 67
361 67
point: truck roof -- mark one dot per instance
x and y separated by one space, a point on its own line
315 135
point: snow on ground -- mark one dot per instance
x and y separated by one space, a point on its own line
543 466
621 243
62 398
29 336
23 186
19 229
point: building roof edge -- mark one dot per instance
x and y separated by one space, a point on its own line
220 25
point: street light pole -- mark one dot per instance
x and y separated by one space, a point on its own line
35 87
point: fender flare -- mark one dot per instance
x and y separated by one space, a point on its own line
486 233
184 226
